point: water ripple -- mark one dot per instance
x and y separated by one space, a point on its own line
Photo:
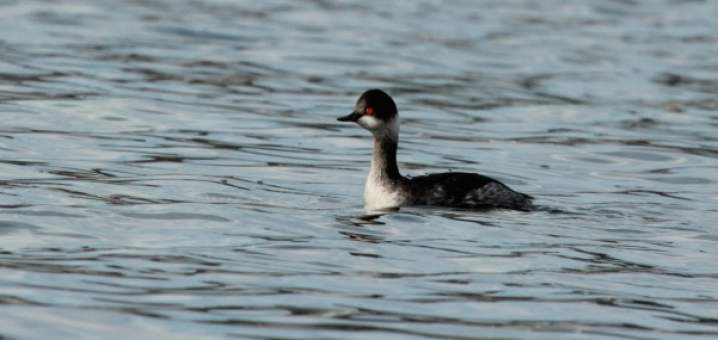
177 168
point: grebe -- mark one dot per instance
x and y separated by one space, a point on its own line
386 188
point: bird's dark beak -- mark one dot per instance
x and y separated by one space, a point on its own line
352 117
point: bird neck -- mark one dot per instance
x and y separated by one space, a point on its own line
383 162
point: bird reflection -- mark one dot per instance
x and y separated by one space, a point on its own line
350 225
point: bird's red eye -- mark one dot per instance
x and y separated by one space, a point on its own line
369 111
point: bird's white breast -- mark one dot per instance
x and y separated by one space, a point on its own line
378 195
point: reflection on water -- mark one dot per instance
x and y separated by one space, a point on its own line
174 169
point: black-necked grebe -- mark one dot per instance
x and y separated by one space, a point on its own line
386 188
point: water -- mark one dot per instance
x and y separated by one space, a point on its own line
174 169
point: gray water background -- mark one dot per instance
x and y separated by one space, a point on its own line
173 169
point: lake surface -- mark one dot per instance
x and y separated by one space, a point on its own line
174 169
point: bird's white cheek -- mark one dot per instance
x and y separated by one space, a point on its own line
369 122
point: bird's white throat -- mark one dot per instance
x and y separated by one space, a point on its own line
381 129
